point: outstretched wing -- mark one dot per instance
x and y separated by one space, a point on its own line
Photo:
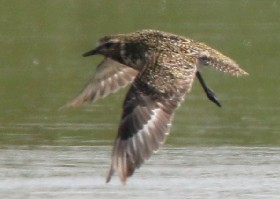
110 76
146 120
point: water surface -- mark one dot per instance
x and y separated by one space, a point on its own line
190 172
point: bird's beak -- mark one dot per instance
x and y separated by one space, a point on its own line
92 52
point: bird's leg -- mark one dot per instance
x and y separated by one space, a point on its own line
210 94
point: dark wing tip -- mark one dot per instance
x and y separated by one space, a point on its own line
109 176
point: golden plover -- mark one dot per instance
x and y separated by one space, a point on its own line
161 68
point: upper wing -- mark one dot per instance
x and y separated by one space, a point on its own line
110 76
146 119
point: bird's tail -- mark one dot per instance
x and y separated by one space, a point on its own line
221 62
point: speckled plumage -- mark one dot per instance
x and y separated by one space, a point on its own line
161 67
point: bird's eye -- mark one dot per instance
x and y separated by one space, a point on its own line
108 45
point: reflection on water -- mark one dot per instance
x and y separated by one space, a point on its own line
192 172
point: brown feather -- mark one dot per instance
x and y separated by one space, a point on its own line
110 76
146 119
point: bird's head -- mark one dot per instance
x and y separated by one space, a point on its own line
107 46
121 48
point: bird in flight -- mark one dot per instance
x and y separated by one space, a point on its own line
161 68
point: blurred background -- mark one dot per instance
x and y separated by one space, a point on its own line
42 69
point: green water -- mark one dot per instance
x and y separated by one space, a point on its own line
42 69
